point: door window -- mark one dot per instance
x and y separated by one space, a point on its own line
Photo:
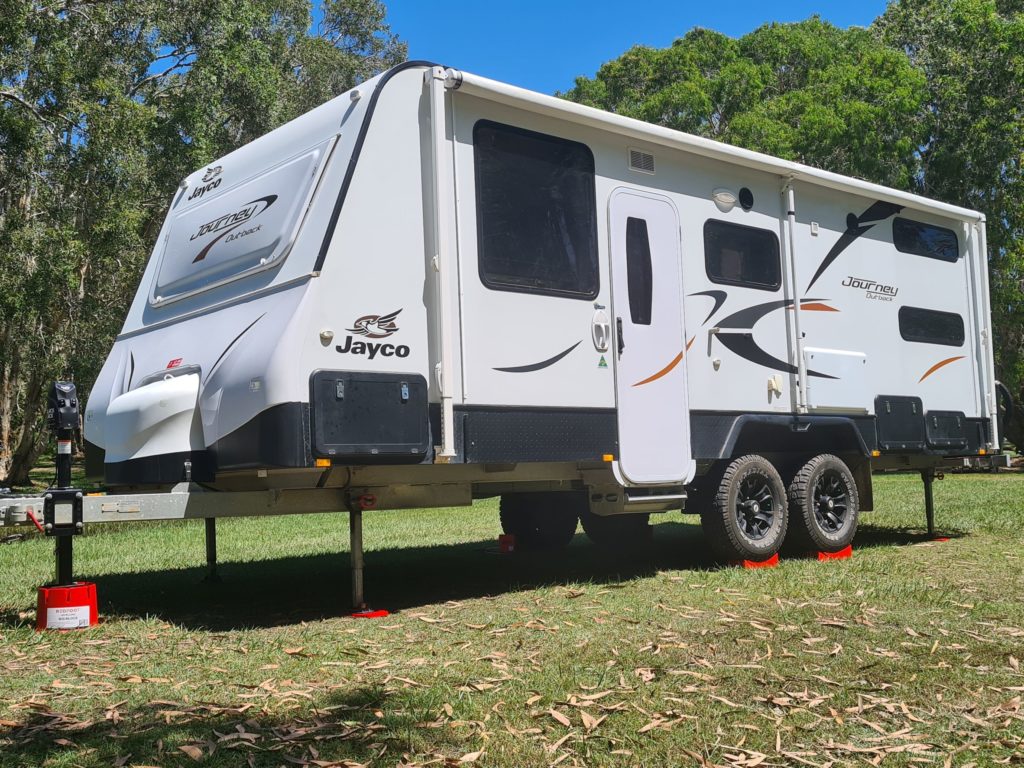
639 271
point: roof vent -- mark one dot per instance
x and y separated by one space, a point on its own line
641 161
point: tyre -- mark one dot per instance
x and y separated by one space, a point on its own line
823 506
616 532
539 520
747 518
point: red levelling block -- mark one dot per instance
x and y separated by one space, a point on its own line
771 562
72 606
843 554
940 538
379 614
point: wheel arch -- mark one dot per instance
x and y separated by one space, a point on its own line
789 441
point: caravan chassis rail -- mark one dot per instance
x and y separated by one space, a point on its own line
64 513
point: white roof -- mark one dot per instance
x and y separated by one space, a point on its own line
552 106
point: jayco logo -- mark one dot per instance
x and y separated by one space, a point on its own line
211 180
373 327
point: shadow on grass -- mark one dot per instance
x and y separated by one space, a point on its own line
346 725
869 536
267 593
288 590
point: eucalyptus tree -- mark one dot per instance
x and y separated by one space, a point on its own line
104 106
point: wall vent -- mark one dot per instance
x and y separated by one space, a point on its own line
641 161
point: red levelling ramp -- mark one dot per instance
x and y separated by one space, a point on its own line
843 554
771 562
379 614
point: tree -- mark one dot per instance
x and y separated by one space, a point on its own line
104 106
810 92
971 53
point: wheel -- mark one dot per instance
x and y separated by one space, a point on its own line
823 506
747 518
539 520
616 532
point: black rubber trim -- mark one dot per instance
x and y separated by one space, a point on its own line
530 434
356 151
161 470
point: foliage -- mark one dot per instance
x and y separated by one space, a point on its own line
928 100
808 92
104 106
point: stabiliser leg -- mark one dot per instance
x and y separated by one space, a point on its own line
212 577
928 476
64 559
355 534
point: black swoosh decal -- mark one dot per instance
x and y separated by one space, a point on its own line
233 342
743 345
746 318
543 364
855 227
718 296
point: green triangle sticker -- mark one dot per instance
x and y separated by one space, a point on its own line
602 363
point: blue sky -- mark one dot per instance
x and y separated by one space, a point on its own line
545 45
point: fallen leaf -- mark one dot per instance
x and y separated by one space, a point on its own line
560 717
192 751
471 757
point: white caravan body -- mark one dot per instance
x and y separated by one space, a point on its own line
437 286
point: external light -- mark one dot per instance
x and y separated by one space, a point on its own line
724 199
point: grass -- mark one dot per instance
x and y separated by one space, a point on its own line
907 654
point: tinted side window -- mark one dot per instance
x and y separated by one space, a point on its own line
639 271
739 255
925 240
930 326
536 215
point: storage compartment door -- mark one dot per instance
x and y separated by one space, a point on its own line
370 418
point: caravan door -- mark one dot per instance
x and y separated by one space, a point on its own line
650 371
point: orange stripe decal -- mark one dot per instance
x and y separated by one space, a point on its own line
668 368
814 306
940 364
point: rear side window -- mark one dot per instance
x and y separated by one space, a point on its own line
929 326
639 271
735 254
536 214
923 239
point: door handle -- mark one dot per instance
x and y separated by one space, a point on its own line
618 330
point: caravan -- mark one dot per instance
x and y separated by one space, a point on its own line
436 288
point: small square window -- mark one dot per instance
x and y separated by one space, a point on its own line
736 254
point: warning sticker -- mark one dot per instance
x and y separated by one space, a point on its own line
70 617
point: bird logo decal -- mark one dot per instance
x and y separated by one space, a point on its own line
375 326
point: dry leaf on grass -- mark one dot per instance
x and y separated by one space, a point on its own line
196 753
560 717
471 757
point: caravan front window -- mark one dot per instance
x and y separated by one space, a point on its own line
536 214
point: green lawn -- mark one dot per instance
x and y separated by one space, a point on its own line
910 653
